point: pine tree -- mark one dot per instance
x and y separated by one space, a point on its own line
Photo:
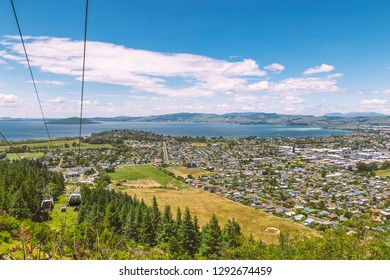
231 234
112 217
211 239
198 236
131 230
156 218
147 233
167 226
178 221
187 235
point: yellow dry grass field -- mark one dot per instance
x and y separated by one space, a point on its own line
199 144
203 204
184 171
141 183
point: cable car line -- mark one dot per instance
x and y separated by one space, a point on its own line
9 144
31 73
83 77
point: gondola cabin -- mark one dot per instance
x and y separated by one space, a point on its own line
74 200
47 205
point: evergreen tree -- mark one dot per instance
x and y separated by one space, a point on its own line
167 226
198 236
146 233
231 234
187 235
178 220
112 217
211 239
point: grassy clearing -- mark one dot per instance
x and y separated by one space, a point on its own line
203 204
184 171
60 219
25 155
141 183
383 173
146 172
199 144
222 144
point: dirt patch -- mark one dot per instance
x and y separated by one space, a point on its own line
141 183
272 230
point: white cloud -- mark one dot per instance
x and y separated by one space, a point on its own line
145 71
68 101
49 82
323 68
2 61
275 67
298 86
293 110
335 76
9 100
293 100
248 108
245 98
260 86
375 92
160 83
375 103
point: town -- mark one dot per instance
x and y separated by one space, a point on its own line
319 182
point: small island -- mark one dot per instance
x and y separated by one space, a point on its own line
73 120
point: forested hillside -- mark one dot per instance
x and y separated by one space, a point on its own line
23 185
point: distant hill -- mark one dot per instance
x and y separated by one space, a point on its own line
115 119
73 120
332 121
354 120
354 115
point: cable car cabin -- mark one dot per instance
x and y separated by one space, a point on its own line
47 205
74 199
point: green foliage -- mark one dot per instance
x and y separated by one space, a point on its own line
231 234
366 167
385 165
21 186
211 239
166 227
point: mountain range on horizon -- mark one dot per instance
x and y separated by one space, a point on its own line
353 120
187 115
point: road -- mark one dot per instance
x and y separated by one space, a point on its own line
165 153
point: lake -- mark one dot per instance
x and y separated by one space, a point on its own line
34 129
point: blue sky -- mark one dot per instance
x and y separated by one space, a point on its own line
159 57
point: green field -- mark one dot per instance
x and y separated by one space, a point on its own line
25 155
383 173
146 172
